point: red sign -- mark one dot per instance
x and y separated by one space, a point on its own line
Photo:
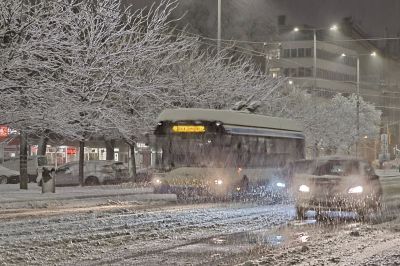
3 131
71 151
34 149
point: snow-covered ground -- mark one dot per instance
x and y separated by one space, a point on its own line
93 226
344 244
12 197
137 233
130 235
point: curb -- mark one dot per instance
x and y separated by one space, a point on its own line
171 197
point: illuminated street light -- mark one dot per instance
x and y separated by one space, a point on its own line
373 54
334 27
314 30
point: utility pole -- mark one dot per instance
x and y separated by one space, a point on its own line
219 25
373 54
315 76
23 161
81 161
358 104
315 59
266 59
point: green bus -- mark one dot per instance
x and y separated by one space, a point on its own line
217 152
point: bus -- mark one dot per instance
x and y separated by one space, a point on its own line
219 152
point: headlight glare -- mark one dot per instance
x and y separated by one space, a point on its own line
280 184
218 182
304 188
356 190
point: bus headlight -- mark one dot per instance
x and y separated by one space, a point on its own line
356 190
218 182
304 188
280 184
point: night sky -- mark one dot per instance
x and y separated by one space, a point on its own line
373 15
248 18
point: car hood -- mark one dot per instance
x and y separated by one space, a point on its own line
8 172
337 183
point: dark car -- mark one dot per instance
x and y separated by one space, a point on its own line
8 176
338 184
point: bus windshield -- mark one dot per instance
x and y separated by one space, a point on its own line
224 150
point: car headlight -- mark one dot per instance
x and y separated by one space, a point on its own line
304 188
356 190
280 184
218 182
157 181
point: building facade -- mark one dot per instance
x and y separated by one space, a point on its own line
293 57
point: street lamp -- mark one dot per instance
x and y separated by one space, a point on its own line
219 26
373 54
334 27
314 30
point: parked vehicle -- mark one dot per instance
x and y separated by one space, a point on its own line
34 162
95 173
8 176
338 184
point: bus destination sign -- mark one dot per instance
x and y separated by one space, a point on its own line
189 129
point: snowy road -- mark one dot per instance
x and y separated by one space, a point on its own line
132 233
162 235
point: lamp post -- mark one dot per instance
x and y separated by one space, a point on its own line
358 94
219 26
314 30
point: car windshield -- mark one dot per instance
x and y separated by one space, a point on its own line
336 167
305 166
42 160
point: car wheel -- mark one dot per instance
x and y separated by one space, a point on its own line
92 181
3 179
300 213
162 189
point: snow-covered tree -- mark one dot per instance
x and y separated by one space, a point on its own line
29 59
329 124
342 114
29 62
